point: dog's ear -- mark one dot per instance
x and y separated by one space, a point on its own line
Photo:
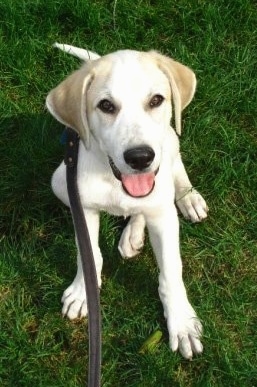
67 102
182 82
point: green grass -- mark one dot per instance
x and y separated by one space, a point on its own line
219 146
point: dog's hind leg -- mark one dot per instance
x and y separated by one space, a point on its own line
132 238
191 204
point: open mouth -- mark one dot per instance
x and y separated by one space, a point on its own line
136 185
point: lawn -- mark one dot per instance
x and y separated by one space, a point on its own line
219 146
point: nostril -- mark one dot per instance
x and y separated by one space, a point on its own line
139 158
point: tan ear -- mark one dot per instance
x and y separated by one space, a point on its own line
182 81
67 102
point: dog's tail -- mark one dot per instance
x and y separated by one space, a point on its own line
80 53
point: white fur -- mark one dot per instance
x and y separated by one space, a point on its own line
129 78
80 53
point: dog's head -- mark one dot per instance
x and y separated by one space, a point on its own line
124 100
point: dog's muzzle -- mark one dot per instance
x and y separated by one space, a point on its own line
139 184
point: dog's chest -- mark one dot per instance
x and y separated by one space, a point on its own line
104 192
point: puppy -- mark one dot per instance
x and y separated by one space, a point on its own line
129 164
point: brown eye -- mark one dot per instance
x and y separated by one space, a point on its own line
156 101
106 106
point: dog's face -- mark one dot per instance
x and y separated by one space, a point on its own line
129 110
124 100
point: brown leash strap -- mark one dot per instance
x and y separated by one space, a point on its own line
88 264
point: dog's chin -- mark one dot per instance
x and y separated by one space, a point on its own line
137 185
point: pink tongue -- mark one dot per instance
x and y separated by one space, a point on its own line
139 184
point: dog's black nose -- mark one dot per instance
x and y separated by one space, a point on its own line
139 158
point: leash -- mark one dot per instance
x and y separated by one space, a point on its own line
87 258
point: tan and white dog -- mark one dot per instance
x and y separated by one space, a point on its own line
129 165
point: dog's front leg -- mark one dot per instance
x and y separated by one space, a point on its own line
183 325
74 297
191 204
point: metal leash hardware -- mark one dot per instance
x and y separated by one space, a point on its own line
87 258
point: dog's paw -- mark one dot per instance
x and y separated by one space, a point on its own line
74 301
185 334
192 205
132 239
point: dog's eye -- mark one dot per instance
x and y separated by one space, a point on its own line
106 106
156 101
